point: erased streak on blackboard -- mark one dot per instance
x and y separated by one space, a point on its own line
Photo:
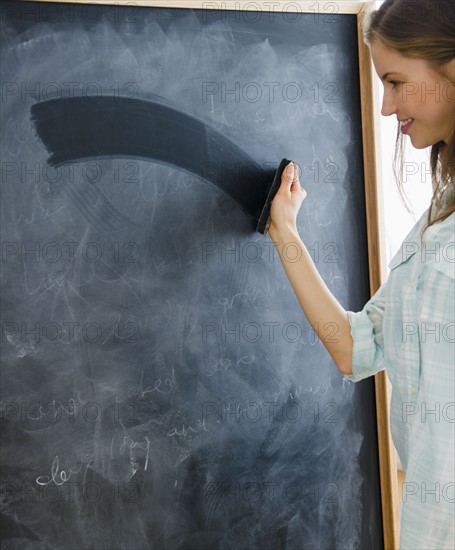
77 128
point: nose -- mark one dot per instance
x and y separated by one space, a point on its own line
388 105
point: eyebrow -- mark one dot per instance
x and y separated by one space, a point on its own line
387 74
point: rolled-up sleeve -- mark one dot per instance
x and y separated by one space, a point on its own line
368 341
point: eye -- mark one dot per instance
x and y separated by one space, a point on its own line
394 82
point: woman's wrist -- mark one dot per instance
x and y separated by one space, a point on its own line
283 233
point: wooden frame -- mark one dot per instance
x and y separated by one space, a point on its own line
376 260
376 256
322 7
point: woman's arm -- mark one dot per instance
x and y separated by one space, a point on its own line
329 320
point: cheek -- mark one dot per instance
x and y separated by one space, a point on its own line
441 112
435 100
433 109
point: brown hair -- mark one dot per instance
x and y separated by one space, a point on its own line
423 29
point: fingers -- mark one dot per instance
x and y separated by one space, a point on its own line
288 174
290 178
295 184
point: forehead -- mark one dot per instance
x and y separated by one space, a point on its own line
388 60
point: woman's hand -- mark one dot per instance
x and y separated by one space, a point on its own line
287 201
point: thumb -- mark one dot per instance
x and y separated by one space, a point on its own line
290 173
292 177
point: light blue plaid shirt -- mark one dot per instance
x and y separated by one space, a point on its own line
408 328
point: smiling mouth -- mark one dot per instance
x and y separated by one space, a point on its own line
405 125
405 121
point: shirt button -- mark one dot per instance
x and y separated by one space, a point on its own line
413 389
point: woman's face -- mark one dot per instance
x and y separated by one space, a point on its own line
413 90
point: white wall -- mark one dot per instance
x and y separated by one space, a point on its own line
417 180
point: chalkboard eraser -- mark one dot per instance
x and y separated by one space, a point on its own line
264 219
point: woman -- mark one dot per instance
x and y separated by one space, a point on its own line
408 326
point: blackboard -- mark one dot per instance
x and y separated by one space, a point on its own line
161 387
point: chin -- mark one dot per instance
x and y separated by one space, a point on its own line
420 144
